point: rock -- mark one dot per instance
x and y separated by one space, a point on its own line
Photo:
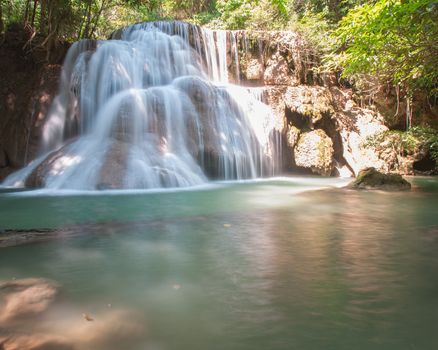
307 105
114 166
254 70
273 96
53 164
292 135
3 158
27 87
314 151
356 126
371 179
277 71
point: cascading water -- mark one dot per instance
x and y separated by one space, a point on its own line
152 109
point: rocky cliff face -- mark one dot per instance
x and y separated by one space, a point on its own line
27 87
324 131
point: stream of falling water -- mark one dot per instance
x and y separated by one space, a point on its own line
153 108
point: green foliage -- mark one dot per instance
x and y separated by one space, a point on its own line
393 39
235 14
252 14
282 6
315 28
415 140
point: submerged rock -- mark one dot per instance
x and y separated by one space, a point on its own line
32 319
25 297
371 179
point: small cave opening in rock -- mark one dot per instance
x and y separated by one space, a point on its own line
425 165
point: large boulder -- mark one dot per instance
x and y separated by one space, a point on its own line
356 127
314 151
371 179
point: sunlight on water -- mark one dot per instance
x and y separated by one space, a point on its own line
253 265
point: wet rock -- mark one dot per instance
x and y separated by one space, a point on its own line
314 151
54 164
371 179
114 166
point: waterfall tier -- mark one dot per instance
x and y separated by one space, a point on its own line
153 108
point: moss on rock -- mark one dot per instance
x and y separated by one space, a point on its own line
370 178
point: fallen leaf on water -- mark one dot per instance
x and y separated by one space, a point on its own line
87 317
227 225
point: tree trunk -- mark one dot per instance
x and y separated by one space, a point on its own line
43 16
2 26
35 4
86 33
26 12
96 18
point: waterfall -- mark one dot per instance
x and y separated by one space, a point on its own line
151 108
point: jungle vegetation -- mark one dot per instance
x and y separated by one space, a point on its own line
371 44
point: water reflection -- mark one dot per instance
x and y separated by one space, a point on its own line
321 270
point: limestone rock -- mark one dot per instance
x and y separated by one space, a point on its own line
254 70
355 128
274 98
277 71
314 151
371 179
308 104
292 136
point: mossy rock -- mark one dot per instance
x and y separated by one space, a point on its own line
371 179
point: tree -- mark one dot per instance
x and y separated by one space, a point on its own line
396 40
2 26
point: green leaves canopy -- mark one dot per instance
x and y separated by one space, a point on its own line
395 39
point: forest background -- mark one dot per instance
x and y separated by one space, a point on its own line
376 47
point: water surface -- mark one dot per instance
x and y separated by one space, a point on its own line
256 265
